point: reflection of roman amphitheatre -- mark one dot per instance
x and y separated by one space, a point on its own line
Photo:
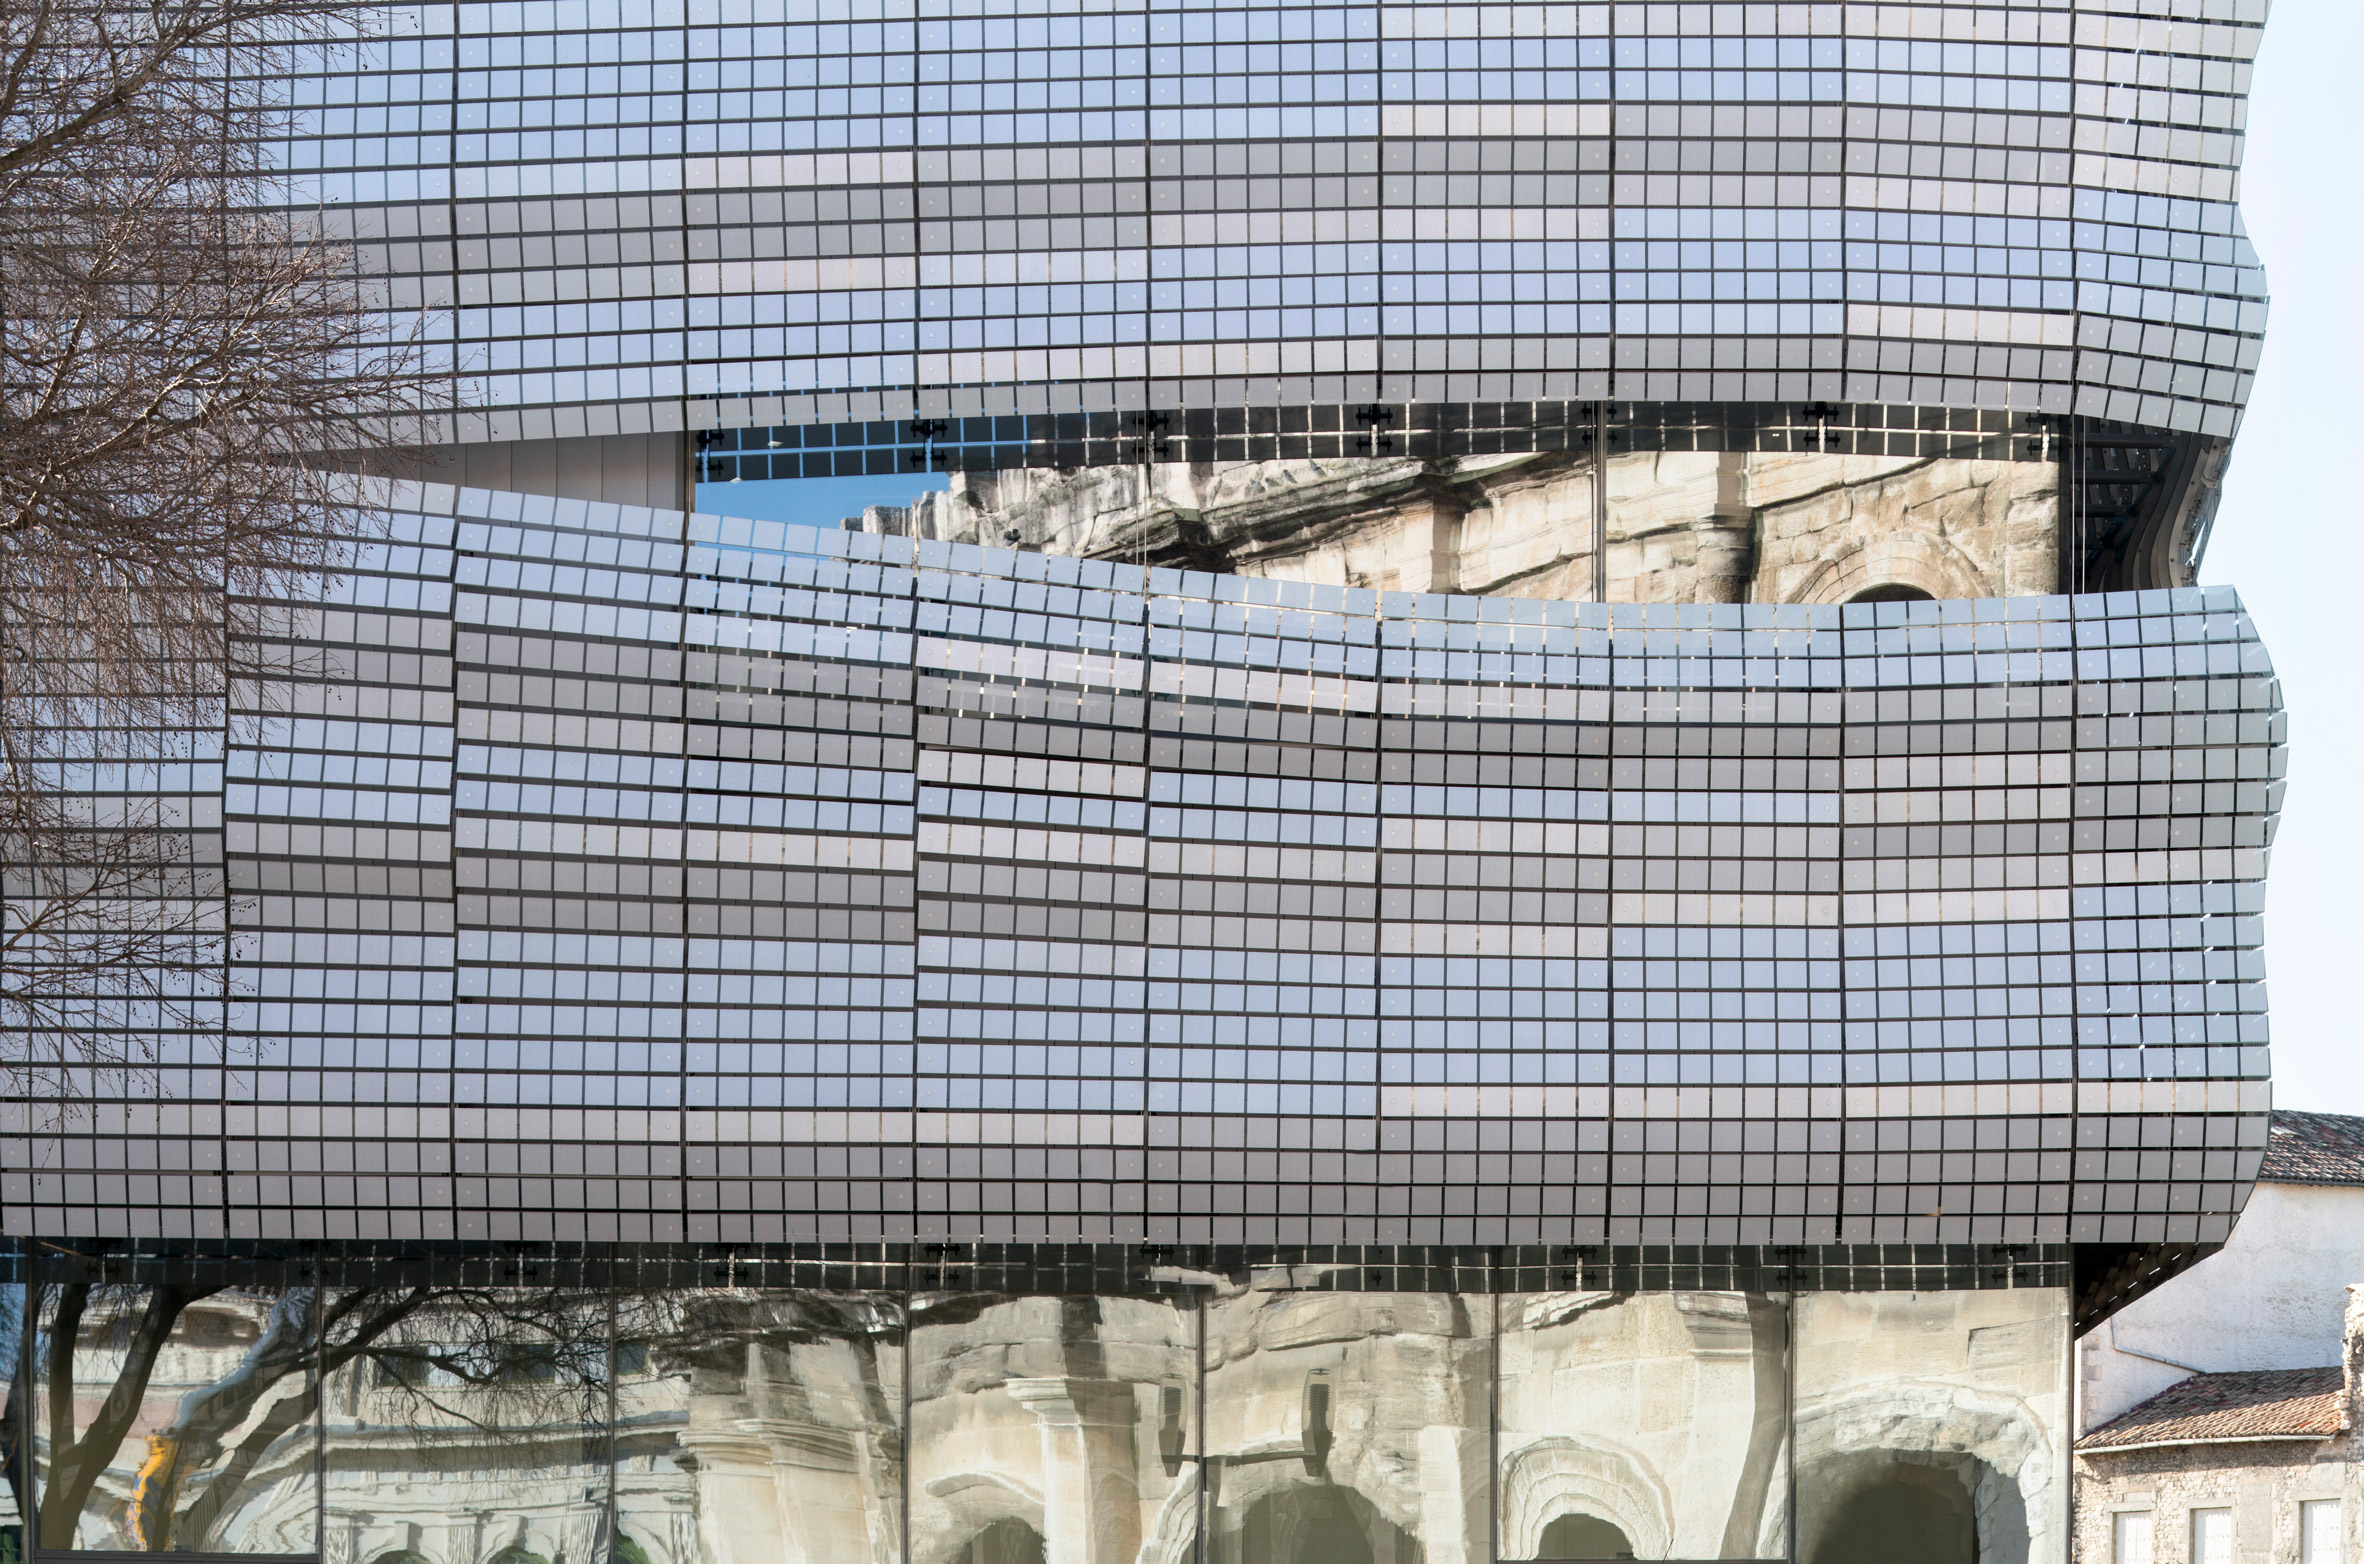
1339 1428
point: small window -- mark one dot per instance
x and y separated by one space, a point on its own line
2212 1537
2130 1542
2318 1533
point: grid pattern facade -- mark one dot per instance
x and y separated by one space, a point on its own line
760 215
615 875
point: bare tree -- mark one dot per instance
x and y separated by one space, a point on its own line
110 937
518 1378
179 349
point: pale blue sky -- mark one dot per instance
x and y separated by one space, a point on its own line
2288 534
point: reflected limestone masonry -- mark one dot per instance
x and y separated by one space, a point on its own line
1278 1422
623 876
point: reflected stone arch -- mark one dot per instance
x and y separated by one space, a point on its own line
1891 592
1874 1498
1915 561
1562 1476
1913 1417
516 1553
1173 1539
401 1556
1315 1523
977 1503
1006 1541
1578 1536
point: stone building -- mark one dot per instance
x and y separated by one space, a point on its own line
1682 527
2254 1467
2262 1301
2219 1410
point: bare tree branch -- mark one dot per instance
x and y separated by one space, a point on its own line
188 371
504 1370
77 1461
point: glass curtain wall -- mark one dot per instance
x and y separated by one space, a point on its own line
1941 1416
1642 1425
173 1419
1348 1428
1272 1424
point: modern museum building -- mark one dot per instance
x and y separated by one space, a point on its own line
1310 783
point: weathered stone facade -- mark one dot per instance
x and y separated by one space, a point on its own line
2252 1444
2262 1484
1683 527
1659 1413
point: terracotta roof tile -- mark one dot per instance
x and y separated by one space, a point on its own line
2314 1148
2208 1408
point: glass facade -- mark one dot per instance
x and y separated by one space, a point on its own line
869 237
821 214
1289 1420
620 876
1248 1026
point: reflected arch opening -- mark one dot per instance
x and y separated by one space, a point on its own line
1584 1537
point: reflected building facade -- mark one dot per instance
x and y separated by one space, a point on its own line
990 1052
1314 784
1190 1418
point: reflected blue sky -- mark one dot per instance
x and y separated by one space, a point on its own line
814 502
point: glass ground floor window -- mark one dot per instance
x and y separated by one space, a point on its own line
1286 1421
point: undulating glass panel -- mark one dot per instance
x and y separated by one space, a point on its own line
756 1426
467 1424
1347 1428
1060 1429
176 1419
1941 1416
860 842
1642 1426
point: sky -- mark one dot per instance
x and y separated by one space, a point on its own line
813 502
2290 532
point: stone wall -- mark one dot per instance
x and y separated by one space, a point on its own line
1776 527
2259 1303
1663 1414
2262 1484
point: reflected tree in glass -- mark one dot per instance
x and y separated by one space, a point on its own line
471 1426
173 1417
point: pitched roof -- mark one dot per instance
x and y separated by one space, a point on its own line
2314 1148
2225 1408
